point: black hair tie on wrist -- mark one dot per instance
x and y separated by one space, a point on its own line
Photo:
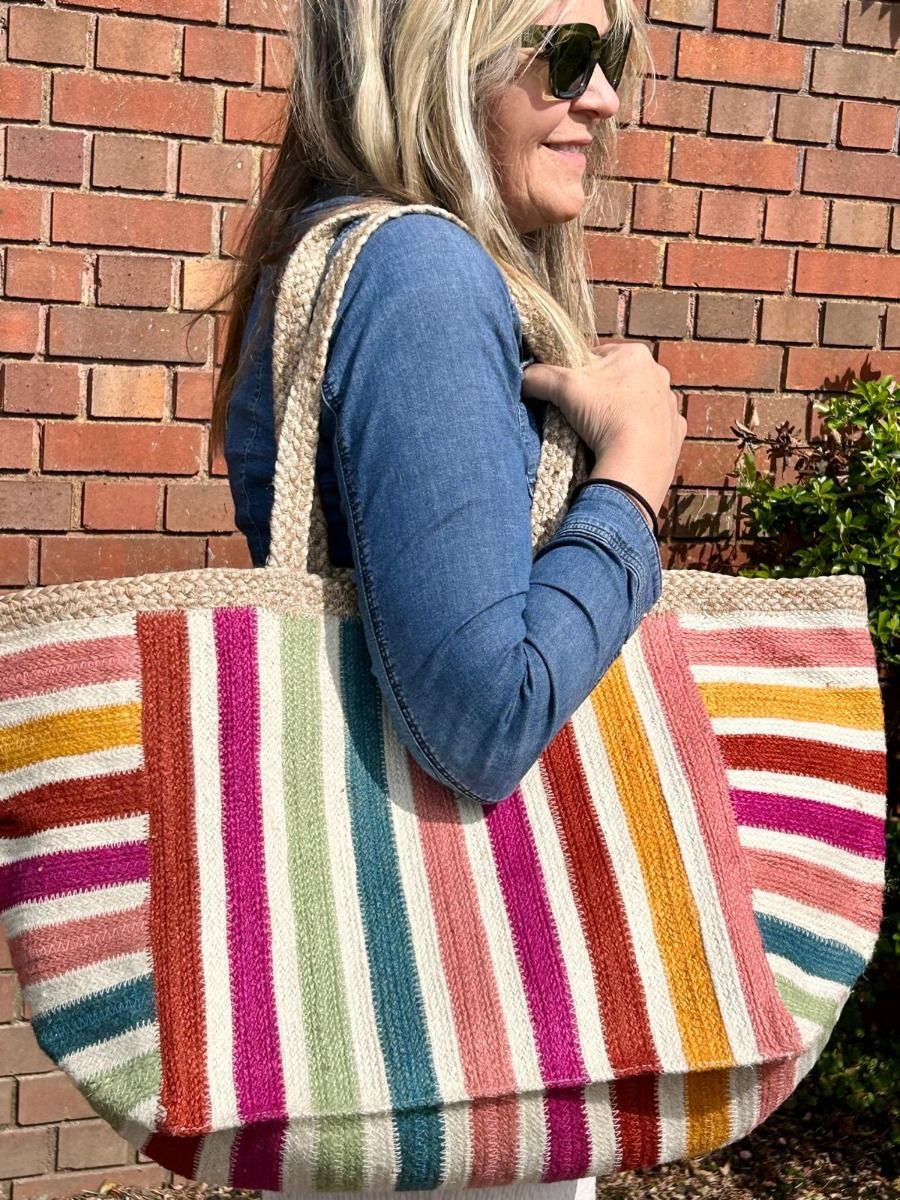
624 487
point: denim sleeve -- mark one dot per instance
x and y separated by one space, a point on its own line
482 653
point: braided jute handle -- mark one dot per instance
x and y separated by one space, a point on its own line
305 312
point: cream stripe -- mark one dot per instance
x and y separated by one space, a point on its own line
810 677
89 836
533 1145
672 1117
602 1128
743 1084
67 631
215 1157
815 985
374 1094
85 696
808 787
742 618
813 731
822 854
613 822
101 1057
823 924
72 766
40 914
76 985
572 942
140 1123
211 869
285 967
686 826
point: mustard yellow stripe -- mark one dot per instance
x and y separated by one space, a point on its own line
856 708
674 912
83 731
707 1104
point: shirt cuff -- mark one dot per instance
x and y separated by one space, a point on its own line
609 516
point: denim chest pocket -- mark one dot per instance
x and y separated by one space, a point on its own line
531 429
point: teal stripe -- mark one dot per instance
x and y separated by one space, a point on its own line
97 1018
396 990
334 1085
815 955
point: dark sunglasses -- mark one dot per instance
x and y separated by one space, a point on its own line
575 50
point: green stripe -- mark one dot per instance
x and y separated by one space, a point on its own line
802 1004
333 1078
116 1092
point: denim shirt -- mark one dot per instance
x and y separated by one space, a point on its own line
426 462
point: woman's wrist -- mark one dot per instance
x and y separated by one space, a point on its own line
637 498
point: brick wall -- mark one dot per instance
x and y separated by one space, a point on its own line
754 239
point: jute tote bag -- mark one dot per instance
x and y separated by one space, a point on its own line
273 953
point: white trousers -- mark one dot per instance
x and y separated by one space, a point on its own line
566 1189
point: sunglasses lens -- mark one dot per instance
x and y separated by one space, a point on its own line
572 63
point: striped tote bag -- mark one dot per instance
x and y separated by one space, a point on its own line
273 953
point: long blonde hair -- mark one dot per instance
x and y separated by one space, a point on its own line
390 98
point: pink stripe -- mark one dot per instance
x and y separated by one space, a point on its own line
701 760
818 886
755 647
258 1078
39 954
67 665
843 827
468 968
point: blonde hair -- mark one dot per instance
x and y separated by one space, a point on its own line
391 98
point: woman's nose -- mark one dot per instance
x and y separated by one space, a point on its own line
599 97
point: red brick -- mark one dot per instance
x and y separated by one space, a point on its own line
656 313
128 392
105 556
278 62
10 1003
91 220
20 213
719 365
757 268
856 73
741 111
118 102
262 14
135 163
851 173
19 327
794 219
805 119
48 35
703 514
91 1144
733 59
734 163
33 504
892 328
72 1183
730 215
706 462
851 324
758 17
98 446
871 24
20 93
43 274
17 444
224 54
711 415
665 209
134 280
255 117
5 957
20 1052
770 411
44 155
26 1151
895 229
619 259
126 333
725 316
15 571
675 105
228 552
193 395
199 508
7 1101
788 319
612 207
641 154
681 12
843 273
216 171
143 47
41 388
867 126
858 224
830 369
194 10
662 44
812 20
127 505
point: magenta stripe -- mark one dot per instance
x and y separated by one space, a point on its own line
66 665
544 979
854 831
48 875
256 1156
257 1052
570 1146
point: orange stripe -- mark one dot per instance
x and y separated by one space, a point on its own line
707 1102
674 912
853 708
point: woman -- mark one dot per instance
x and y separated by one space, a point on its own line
431 414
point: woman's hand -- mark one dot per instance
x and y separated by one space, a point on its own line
622 406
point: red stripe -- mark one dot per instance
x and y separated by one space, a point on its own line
864 769
179 1154
74 802
636 1114
174 889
